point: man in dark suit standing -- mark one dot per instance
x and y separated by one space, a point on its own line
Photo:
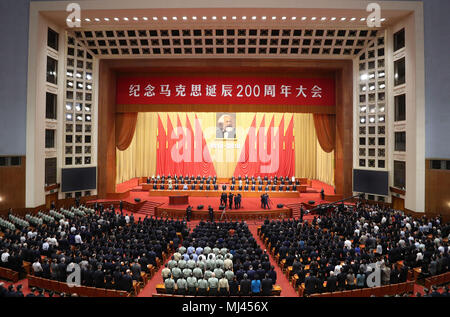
230 200
211 214
266 286
223 199
311 284
332 282
246 285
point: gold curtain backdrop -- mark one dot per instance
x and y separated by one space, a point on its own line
139 159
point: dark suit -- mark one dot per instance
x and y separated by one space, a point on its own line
245 287
266 285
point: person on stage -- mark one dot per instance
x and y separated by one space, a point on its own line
169 184
322 194
223 199
237 201
230 200
211 213
188 213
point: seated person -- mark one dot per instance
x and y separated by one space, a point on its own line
208 181
216 187
185 187
192 177
161 186
163 179
266 178
203 179
275 178
175 181
297 182
200 187
233 181
148 180
199 177
183 181
168 177
281 188
253 187
260 188
246 187
232 187
188 181
294 188
253 181
169 184
269 181
267 188
208 187
195 181
288 188
293 179
260 182
176 187
214 181
158 177
186 177
224 187
239 177
282 182
155 186
240 187
247 181
193 187
246 177
274 188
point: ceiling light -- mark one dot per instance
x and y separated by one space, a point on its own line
253 18
194 18
97 19
174 18
313 18
363 120
106 19
364 77
87 20
233 17
294 18
214 17
155 18
165 18
382 110
352 19
343 19
274 18
263 17
383 19
145 18
363 19
304 18
224 17
382 86
185 18
381 119
381 74
372 120
323 18
204 18
116 19
135 19
283 18
333 18
126 19
244 18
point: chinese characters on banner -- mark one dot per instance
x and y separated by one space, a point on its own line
190 90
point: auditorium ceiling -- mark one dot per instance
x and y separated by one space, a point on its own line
226 32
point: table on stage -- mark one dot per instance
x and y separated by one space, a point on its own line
179 200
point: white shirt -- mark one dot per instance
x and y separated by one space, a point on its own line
37 267
78 239
127 219
45 246
5 256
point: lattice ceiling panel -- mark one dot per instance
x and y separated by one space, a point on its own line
219 42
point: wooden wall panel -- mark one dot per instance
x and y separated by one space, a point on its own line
12 186
437 191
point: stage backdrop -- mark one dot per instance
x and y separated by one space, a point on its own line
232 144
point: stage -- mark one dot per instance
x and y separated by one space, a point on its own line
156 203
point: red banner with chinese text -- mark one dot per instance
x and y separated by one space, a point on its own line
238 90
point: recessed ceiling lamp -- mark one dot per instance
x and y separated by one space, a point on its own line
283 18
264 17
116 19
185 18
164 18
383 19
363 19
224 17
194 18
313 19
234 17
352 19
145 18
87 20
97 19
214 17
204 18
174 18
294 18
125 19
343 19
304 18
155 18
323 18
274 18
333 19
253 18
135 18
244 18
106 19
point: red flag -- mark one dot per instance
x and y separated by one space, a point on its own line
161 150
203 161
248 154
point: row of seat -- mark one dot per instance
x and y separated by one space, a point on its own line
9 275
160 289
379 291
437 280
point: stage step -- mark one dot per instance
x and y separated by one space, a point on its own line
148 208
295 209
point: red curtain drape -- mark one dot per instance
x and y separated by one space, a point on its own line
325 125
125 127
